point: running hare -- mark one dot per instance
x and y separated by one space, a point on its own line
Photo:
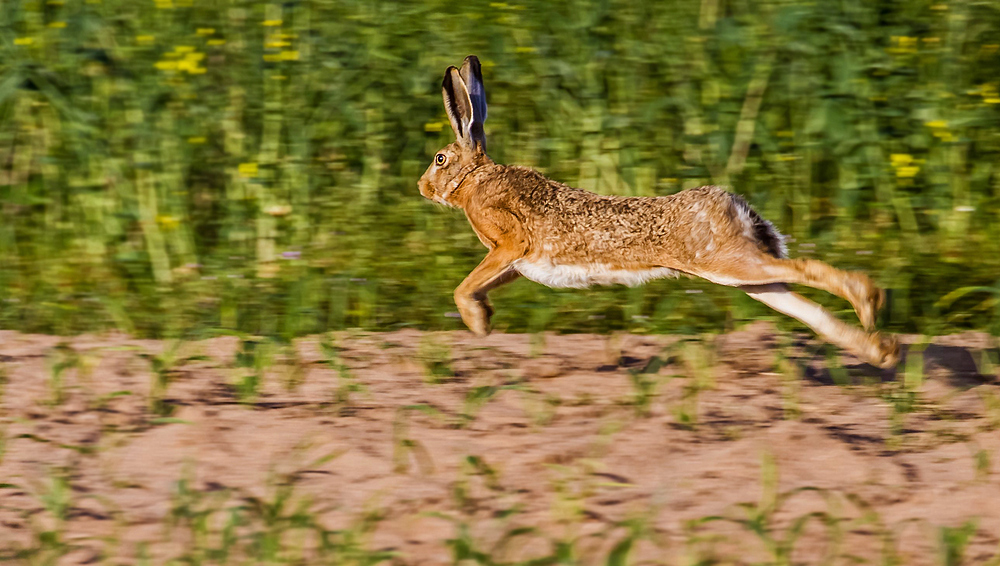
564 237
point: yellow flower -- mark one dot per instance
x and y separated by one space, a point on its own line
433 126
990 94
248 170
289 55
205 31
188 64
904 165
23 40
276 44
936 124
144 39
272 23
900 159
214 42
196 140
168 222
903 44
58 25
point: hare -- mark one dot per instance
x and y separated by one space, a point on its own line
560 236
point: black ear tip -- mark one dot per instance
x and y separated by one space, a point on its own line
472 60
447 75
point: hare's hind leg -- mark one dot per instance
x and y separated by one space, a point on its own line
470 295
866 297
874 348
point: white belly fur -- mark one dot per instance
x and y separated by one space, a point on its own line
582 276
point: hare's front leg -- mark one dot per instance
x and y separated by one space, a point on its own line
470 296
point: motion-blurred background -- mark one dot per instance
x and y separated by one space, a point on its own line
170 167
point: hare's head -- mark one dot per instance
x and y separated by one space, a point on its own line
465 102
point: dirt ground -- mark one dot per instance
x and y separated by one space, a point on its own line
431 431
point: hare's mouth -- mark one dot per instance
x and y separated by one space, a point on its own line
441 200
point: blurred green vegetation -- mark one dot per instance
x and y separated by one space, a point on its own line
171 166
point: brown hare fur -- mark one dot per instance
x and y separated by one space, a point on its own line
565 237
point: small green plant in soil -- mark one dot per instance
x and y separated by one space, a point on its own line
760 519
347 384
644 382
903 396
404 445
279 527
436 359
48 528
475 399
954 541
991 400
838 373
540 407
60 359
294 369
252 361
698 363
3 380
791 381
164 367
982 463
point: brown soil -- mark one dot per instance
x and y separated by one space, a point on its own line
570 449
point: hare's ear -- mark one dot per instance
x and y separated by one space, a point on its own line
458 105
472 75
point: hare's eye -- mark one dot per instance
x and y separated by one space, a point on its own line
439 159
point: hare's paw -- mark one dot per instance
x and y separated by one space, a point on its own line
476 315
867 298
889 347
883 350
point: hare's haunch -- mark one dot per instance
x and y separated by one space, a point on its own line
564 237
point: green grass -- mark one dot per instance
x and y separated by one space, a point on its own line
171 167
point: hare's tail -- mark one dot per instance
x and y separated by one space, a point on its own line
760 229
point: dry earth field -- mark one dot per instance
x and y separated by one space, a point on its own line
750 447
